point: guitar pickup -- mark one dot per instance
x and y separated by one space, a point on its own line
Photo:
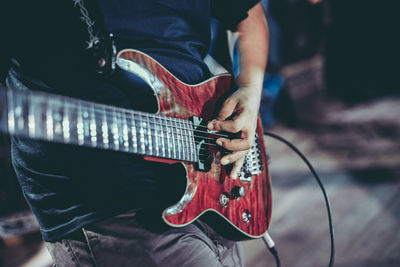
202 144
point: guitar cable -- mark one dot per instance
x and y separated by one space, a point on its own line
271 247
267 239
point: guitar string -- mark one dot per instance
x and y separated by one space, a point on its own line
184 144
107 111
111 110
173 121
145 116
152 130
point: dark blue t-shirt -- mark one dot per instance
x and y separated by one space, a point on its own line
68 187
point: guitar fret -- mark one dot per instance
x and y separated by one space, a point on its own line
125 132
79 128
187 143
121 125
134 137
178 138
86 124
40 115
142 139
181 138
149 135
185 133
162 137
167 136
93 126
173 138
31 118
105 128
57 113
192 142
114 130
49 122
66 124
18 113
156 133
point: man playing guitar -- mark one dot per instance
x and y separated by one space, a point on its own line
97 207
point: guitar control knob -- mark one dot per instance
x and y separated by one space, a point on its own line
246 216
224 199
238 192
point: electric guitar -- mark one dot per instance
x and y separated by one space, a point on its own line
177 133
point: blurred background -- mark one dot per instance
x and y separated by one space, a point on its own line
331 89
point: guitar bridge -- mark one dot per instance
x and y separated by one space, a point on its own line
253 162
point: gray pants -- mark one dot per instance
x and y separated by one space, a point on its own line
127 240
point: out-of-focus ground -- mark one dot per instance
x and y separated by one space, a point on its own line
356 151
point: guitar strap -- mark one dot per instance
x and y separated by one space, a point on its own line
101 49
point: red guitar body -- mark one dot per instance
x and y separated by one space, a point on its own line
249 214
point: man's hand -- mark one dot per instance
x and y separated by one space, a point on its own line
238 115
240 111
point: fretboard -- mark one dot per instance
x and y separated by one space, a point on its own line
60 119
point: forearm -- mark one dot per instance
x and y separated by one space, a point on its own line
239 111
253 45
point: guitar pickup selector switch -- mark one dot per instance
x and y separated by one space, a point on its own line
238 192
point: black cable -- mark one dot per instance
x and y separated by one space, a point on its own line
271 246
328 205
274 252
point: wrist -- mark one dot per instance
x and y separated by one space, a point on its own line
252 80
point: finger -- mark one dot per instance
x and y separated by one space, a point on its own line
233 157
227 109
233 126
236 168
235 144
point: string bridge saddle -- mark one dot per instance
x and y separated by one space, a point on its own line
253 162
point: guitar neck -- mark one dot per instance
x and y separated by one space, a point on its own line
60 119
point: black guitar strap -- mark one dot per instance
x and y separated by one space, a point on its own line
100 42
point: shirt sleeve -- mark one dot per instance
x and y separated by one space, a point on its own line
231 12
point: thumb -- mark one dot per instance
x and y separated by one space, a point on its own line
227 109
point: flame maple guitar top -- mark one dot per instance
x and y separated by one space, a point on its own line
249 214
